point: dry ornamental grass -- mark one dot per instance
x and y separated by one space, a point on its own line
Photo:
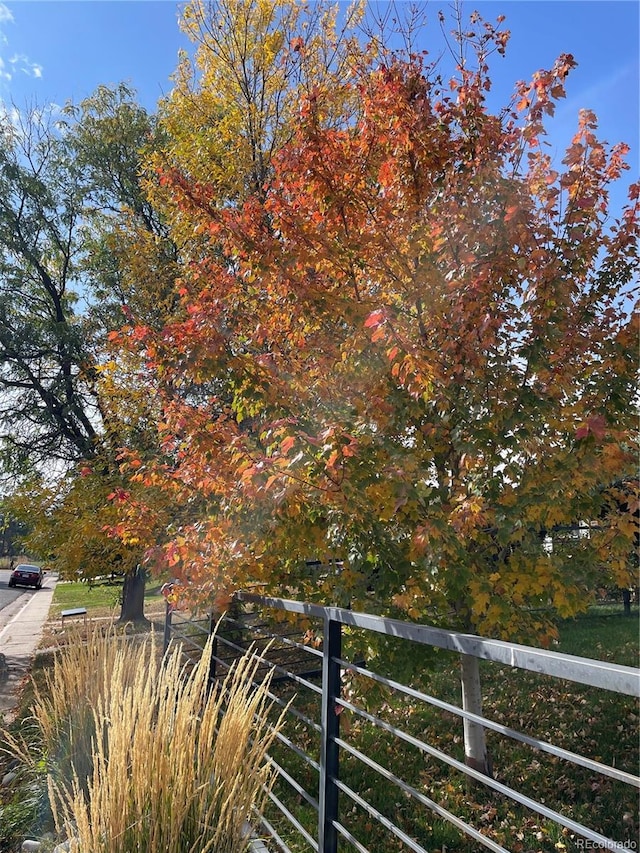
145 756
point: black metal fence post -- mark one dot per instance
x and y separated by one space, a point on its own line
329 754
167 628
214 651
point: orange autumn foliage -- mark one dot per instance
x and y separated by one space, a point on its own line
412 350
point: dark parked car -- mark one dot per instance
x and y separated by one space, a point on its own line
24 575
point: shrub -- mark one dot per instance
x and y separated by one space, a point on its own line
144 755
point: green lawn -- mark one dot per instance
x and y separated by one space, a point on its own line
602 635
97 598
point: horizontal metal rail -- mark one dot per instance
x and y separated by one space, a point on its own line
255 656
598 674
282 773
439 810
383 820
293 820
275 699
295 713
194 623
299 752
542 745
271 831
516 796
293 645
344 832
187 639
268 632
608 676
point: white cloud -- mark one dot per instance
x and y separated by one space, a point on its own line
20 62
9 115
5 14
4 74
5 18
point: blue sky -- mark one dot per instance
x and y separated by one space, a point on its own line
57 50
60 50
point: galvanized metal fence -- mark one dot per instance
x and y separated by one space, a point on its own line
328 788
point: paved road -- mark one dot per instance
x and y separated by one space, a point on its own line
7 595
23 613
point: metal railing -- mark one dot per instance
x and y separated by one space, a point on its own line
316 794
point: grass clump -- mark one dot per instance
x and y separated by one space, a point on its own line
145 756
23 805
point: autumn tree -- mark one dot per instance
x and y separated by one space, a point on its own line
411 348
130 262
68 533
430 334
72 191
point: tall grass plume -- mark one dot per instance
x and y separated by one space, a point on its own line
149 757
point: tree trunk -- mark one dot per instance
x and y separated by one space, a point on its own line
626 601
475 744
133 596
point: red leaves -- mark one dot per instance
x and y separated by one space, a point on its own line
119 495
374 319
400 330
596 426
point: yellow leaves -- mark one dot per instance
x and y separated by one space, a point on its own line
273 44
414 598
627 525
382 498
479 602
76 522
567 604
509 497
109 366
469 515
405 602
224 128
538 578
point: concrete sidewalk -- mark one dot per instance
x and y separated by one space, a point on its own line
21 627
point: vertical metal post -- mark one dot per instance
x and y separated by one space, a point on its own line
167 629
330 723
214 650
